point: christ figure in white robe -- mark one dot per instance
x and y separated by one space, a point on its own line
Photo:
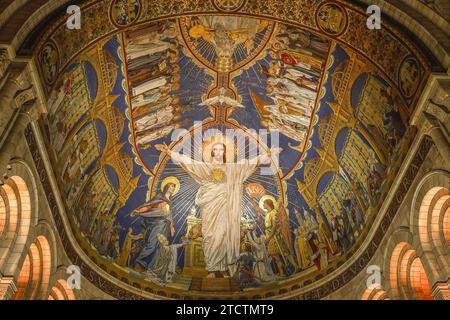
220 199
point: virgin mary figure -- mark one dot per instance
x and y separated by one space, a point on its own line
156 220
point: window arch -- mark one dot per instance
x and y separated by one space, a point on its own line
36 267
408 279
61 291
419 281
446 226
15 220
433 231
2 215
430 224
23 279
375 294
34 275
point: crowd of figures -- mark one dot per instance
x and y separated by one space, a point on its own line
152 54
273 255
268 252
270 256
147 249
387 130
317 241
102 231
296 61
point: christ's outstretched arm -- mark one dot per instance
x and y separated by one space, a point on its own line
266 158
196 169
186 162
174 155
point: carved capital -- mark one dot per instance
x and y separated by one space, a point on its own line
432 127
24 96
4 62
7 288
14 70
10 87
30 110
441 291
428 121
442 94
435 99
440 112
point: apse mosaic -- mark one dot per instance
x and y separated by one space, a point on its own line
215 218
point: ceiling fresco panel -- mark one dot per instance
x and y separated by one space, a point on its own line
157 190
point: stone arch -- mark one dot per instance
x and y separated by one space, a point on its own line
20 199
44 229
18 215
408 279
2 215
61 291
419 29
375 294
24 278
34 20
419 281
428 211
446 224
60 285
46 256
400 235
8 10
34 276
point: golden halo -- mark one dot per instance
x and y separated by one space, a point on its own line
219 139
173 180
267 197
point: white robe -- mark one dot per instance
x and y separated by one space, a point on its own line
261 268
220 208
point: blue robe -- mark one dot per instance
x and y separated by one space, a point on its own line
156 220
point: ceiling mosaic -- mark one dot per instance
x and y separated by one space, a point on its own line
159 196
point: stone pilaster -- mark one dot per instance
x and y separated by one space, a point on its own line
28 113
7 288
433 117
439 134
11 85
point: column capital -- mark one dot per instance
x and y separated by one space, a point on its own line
432 127
432 113
14 70
4 61
24 96
7 288
431 121
436 93
426 123
441 290
433 109
30 110
12 84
